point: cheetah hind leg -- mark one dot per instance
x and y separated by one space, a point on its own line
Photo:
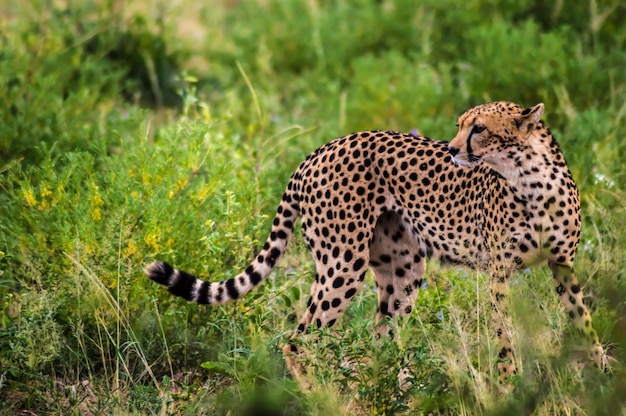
338 277
571 295
398 269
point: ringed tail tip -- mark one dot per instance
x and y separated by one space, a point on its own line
160 272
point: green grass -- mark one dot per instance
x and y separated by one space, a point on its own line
133 131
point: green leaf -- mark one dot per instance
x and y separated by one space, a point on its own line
217 367
295 292
287 300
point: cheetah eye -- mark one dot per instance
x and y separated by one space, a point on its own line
478 128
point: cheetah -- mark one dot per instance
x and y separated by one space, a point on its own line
497 198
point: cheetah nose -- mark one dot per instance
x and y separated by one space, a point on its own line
453 150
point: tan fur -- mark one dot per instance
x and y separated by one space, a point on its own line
497 198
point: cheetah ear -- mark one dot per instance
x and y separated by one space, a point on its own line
529 117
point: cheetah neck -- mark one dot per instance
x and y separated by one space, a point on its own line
534 167
536 174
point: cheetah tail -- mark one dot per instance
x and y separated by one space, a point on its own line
189 287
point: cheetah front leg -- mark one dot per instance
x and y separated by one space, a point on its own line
499 289
571 296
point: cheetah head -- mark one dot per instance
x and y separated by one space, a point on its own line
490 133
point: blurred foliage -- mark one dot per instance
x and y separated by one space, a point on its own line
62 72
134 130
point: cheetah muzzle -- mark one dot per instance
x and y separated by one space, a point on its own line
497 198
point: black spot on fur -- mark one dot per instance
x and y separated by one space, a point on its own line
161 272
183 285
231 290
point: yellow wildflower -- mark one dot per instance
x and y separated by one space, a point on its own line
152 240
45 192
96 203
180 184
29 197
130 250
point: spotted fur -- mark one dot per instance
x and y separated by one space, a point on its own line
497 198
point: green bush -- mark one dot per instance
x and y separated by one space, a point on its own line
63 76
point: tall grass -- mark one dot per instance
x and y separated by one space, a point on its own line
137 130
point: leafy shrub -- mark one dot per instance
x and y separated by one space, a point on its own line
63 74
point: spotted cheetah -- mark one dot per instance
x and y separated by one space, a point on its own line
499 197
